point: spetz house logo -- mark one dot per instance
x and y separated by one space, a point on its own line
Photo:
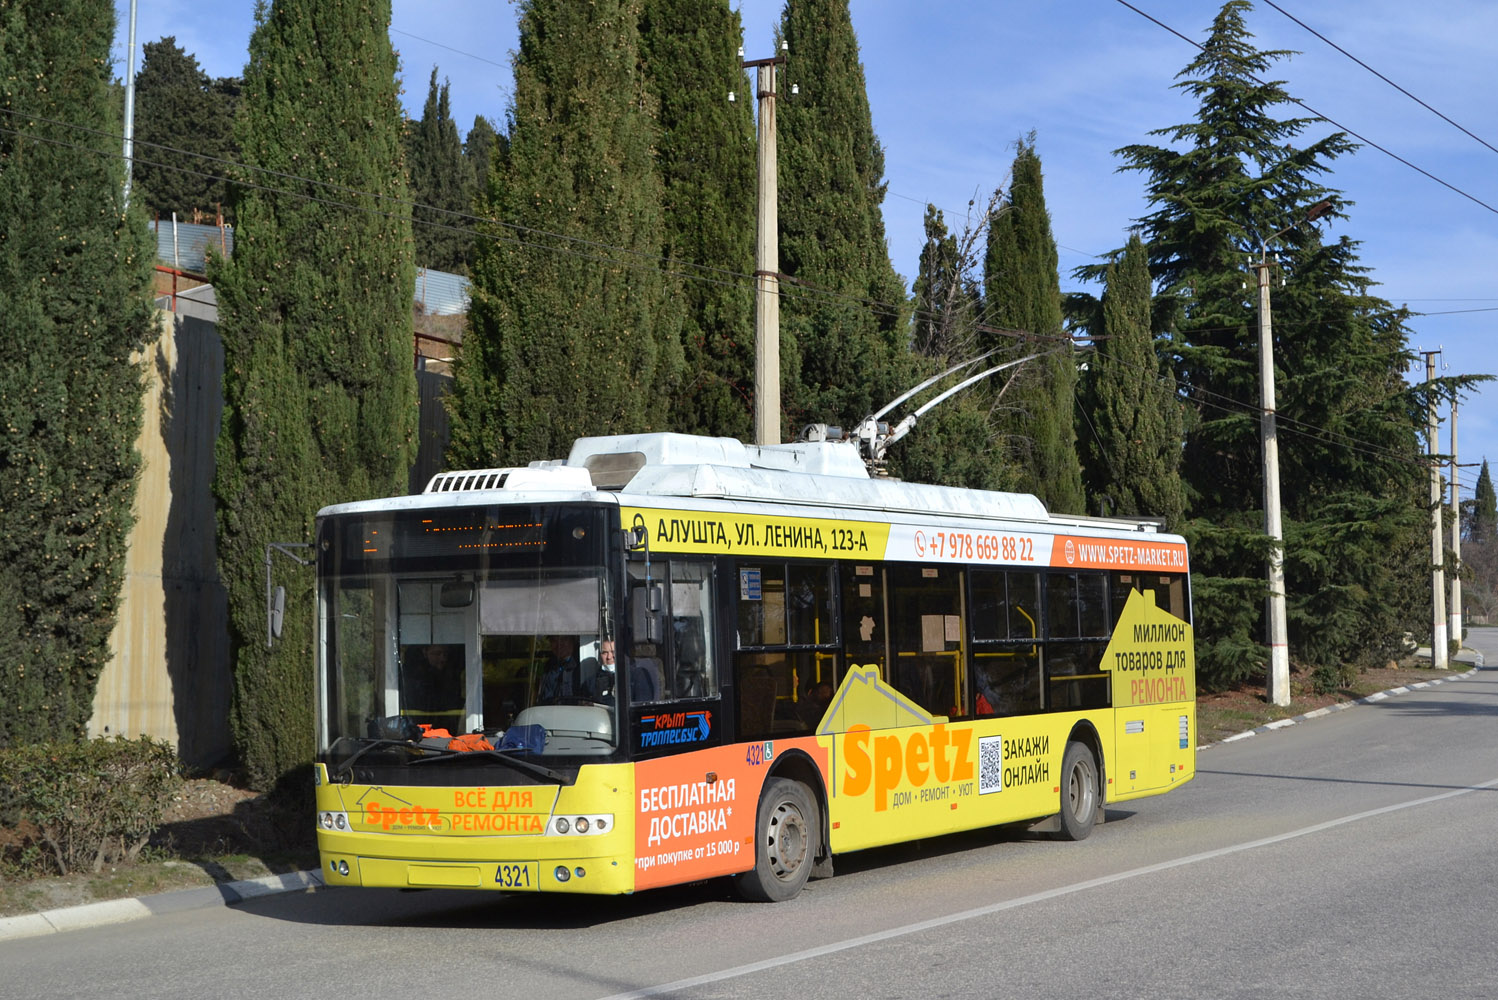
672 728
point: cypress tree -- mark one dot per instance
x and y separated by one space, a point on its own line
1483 523
947 300
481 147
1480 549
843 313
315 315
574 327
1136 454
1233 177
75 302
179 106
706 156
441 185
1022 291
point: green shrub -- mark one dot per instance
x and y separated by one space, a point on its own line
1329 677
69 806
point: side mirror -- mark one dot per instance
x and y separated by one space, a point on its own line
645 613
277 612
456 594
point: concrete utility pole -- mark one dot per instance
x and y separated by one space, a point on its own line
1278 686
130 107
767 262
1439 654
1278 690
1456 536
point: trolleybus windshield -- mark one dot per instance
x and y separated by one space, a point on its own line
489 621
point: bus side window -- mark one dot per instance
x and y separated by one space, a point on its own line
926 631
864 632
1077 627
1006 678
1169 590
692 669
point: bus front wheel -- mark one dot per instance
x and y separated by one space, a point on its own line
785 843
1079 792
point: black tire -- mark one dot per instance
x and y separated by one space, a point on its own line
1080 796
786 841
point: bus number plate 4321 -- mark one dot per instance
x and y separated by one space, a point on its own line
519 877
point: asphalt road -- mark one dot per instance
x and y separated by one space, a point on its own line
1355 855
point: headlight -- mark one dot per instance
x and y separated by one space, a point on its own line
580 825
330 820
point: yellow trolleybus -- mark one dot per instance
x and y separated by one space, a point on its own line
671 658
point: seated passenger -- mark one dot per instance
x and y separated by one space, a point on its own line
644 674
813 705
989 699
432 683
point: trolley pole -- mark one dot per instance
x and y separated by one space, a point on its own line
1439 654
1278 690
1456 536
767 263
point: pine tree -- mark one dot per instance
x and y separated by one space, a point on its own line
178 107
1135 456
315 315
574 327
1022 292
1235 176
844 321
75 303
706 157
441 185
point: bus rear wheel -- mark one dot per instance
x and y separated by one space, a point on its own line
785 843
1079 792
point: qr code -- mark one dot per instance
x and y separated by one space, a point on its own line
990 764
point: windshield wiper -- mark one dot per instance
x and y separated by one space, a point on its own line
347 765
518 763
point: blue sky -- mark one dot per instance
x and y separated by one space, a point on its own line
954 83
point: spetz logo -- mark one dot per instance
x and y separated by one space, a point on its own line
675 727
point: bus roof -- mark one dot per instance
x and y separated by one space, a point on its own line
651 467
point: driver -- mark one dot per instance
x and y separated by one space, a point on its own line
565 677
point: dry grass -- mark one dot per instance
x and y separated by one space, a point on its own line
1226 713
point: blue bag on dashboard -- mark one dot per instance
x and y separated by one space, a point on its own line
527 739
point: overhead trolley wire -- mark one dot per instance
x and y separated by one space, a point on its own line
1329 120
1376 73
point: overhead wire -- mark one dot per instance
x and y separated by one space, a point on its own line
1326 118
714 275
1385 79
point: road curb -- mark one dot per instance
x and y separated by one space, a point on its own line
1338 707
117 911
